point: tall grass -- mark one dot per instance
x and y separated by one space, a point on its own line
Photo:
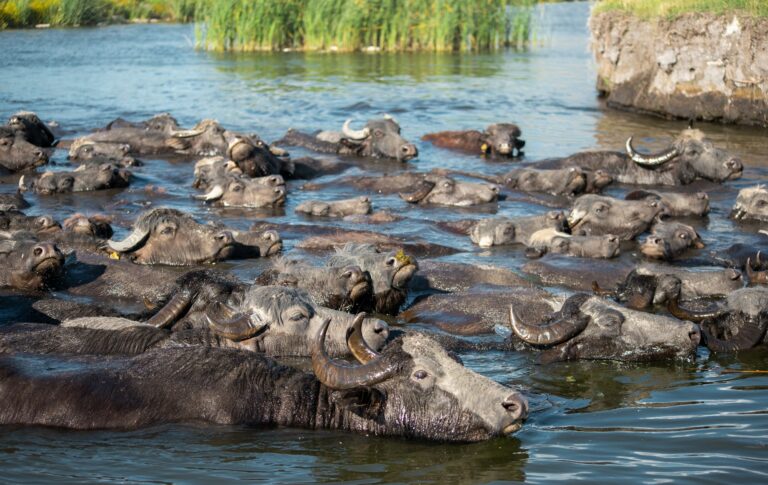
347 25
28 13
674 8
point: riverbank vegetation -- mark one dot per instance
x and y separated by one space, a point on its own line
674 8
335 25
348 25
73 13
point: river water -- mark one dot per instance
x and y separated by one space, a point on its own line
593 421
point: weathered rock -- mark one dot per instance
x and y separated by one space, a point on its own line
696 66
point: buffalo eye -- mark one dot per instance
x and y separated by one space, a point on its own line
167 231
237 188
297 316
87 148
508 230
5 141
420 374
378 133
682 235
390 261
761 203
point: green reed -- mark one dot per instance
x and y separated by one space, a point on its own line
674 8
348 25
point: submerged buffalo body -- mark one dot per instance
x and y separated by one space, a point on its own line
447 191
337 208
413 389
596 215
690 157
556 242
17 154
379 138
240 191
669 240
497 139
590 327
390 273
499 231
171 237
676 204
566 181
84 179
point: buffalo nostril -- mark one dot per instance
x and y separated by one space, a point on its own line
38 153
702 195
224 237
516 406
380 327
695 335
732 274
38 251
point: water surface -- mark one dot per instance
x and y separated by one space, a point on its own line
592 421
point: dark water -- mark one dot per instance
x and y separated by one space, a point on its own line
592 421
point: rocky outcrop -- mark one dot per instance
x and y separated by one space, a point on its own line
697 66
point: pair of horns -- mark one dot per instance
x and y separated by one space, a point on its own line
187 133
651 160
374 367
553 333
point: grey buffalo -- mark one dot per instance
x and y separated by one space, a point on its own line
751 203
84 179
17 154
596 214
497 139
30 265
499 231
669 240
447 191
336 208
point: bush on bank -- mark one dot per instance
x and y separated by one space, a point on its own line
673 8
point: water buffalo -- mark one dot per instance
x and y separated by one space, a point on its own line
171 237
676 204
590 327
346 288
751 203
255 158
413 389
567 181
691 156
12 202
497 139
30 265
337 208
596 214
209 168
12 221
669 240
379 138
161 135
653 284
30 127
240 191
739 324
553 241
91 152
499 231
447 191
84 179
390 273
17 154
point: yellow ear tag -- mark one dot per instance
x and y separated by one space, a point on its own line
484 147
114 255
403 258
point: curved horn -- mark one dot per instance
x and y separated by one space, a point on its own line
551 334
755 277
354 134
419 194
234 326
388 116
357 344
601 292
673 305
214 194
186 133
337 375
172 310
136 237
653 160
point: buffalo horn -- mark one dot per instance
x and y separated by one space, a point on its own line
417 196
673 305
232 325
357 344
136 237
186 133
389 117
214 194
171 311
755 277
653 160
354 134
551 334
597 290
337 375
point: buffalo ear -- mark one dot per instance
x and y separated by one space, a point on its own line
366 402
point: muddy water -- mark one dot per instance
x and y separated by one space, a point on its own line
594 421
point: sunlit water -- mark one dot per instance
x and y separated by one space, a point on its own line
593 421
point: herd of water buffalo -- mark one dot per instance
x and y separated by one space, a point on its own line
206 346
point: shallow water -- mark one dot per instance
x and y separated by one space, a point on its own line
593 421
